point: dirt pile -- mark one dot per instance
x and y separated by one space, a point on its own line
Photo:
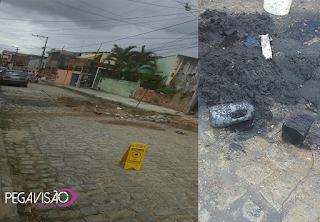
232 72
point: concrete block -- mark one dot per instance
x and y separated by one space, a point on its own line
296 127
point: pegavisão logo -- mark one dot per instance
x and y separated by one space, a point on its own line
43 199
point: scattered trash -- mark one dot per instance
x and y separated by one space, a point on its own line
266 47
236 147
296 127
228 114
180 132
310 42
251 42
118 107
96 110
70 105
311 107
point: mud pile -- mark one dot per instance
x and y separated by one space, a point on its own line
232 72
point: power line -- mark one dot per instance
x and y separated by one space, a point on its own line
142 33
97 27
154 4
90 20
88 11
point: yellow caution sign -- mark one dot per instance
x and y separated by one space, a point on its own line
134 156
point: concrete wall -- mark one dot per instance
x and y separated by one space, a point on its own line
65 76
118 87
180 101
184 75
186 80
166 65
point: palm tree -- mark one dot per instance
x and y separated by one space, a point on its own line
143 60
121 56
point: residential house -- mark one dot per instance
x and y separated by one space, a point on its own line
34 62
14 61
79 71
56 60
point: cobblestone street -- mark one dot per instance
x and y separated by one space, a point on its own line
48 147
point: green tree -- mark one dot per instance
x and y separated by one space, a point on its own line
143 60
122 57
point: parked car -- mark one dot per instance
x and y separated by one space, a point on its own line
2 68
13 77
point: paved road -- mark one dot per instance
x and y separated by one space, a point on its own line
49 148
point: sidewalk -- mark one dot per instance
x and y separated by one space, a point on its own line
130 102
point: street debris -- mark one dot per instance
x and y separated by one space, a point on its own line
118 107
96 110
266 47
251 42
228 114
296 127
310 42
181 132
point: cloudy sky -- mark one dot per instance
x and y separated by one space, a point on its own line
165 27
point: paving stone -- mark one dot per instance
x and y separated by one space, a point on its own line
164 212
121 219
301 212
108 207
91 187
52 214
255 172
278 191
28 171
70 214
119 196
114 190
89 210
90 181
96 218
146 218
125 213
252 212
139 208
163 204
100 199
124 203
137 196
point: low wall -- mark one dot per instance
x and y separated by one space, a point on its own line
118 87
65 76
180 101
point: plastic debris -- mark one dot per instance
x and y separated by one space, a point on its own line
266 47
251 42
118 107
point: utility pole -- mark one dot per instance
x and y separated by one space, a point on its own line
15 56
92 66
44 49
